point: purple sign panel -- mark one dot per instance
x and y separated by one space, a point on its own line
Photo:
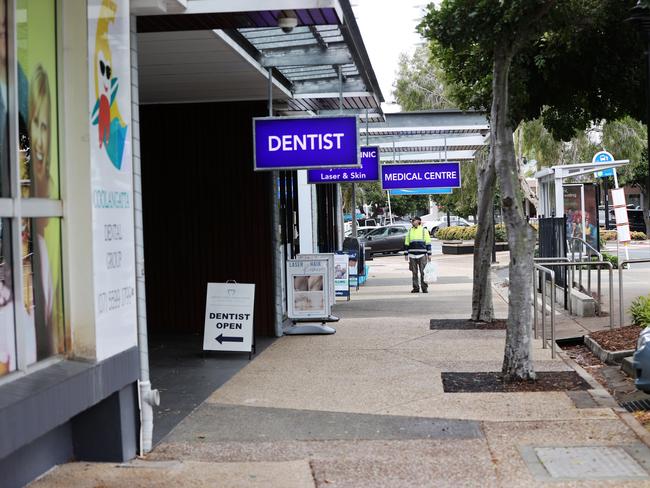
369 170
304 143
422 175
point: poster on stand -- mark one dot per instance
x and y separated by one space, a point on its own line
229 317
341 275
353 268
308 295
330 270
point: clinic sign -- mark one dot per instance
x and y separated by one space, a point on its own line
305 142
369 170
421 175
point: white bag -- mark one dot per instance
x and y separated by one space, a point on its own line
431 272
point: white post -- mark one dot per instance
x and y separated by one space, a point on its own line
305 225
559 194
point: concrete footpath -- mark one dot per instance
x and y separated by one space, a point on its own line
366 408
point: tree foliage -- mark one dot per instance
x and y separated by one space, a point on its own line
462 201
419 83
584 63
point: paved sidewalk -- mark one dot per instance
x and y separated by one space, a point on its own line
366 408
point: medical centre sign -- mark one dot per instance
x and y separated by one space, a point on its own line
305 143
421 175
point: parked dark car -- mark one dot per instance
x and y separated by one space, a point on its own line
386 239
634 217
641 361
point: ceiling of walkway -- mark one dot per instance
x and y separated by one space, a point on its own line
205 51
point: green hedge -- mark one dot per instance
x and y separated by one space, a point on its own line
610 235
457 233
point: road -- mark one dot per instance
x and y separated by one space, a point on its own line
635 251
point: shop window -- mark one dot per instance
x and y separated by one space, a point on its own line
31 304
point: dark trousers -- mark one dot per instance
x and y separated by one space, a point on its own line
417 265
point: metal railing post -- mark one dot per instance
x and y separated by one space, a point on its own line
543 314
580 270
553 317
621 310
551 273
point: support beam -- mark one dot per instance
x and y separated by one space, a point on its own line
307 57
352 84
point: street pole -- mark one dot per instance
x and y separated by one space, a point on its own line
606 191
647 185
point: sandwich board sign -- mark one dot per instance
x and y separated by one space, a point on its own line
342 275
229 317
308 293
330 270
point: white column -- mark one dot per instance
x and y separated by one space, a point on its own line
305 224
314 218
74 149
559 195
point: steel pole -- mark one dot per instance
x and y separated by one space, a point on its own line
646 27
275 232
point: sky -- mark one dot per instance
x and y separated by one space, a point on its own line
388 28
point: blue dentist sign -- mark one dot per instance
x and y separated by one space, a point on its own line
305 143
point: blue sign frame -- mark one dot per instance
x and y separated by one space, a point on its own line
369 170
286 143
421 191
420 175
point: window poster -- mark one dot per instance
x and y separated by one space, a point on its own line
39 175
7 327
109 79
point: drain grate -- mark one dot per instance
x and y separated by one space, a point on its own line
636 405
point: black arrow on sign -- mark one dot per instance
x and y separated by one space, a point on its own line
223 339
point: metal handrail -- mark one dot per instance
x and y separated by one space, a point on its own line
621 266
572 264
600 257
567 300
550 272
596 251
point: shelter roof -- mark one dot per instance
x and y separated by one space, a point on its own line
305 61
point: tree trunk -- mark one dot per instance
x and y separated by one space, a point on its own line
517 362
482 308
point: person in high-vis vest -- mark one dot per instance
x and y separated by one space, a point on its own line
418 253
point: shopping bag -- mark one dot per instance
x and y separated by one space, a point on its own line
431 272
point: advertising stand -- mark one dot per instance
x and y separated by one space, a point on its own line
310 293
342 275
330 270
229 317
